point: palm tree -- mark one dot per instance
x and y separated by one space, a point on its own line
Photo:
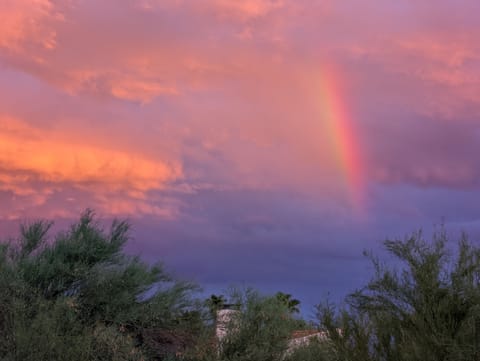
215 303
287 300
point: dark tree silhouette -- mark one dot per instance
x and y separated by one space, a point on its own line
291 303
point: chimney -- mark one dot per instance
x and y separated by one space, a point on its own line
225 318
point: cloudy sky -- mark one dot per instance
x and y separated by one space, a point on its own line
256 142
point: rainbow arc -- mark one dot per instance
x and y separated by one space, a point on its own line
343 135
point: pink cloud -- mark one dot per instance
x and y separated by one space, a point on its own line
231 87
151 59
26 22
247 9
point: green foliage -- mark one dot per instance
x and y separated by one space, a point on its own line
314 351
349 334
33 236
53 332
215 303
291 303
425 309
79 297
260 331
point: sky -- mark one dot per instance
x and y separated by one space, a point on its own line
261 143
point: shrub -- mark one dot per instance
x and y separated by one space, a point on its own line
79 297
425 309
260 331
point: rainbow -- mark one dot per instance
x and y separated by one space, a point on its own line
342 134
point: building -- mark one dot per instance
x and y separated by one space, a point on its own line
226 317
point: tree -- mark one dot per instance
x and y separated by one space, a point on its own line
260 331
426 308
291 303
79 297
215 303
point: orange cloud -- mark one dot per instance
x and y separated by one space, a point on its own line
28 153
45 170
